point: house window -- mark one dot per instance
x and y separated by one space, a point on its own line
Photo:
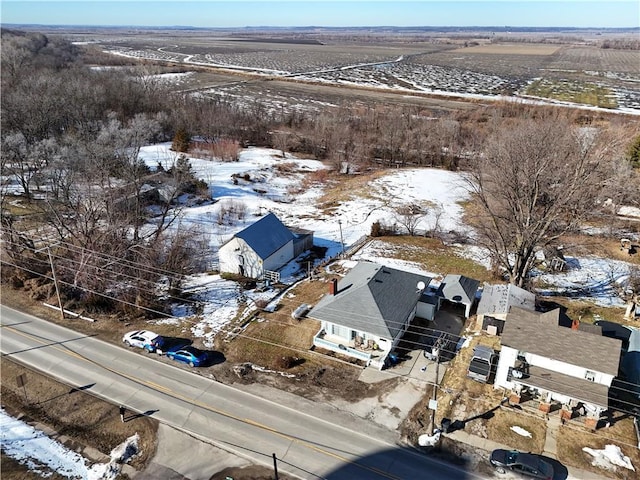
591 376
341 331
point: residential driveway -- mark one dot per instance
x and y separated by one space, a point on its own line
415 372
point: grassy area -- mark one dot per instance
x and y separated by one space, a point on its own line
586 311
571 439
499 429
263 339
582 92
433 256
350 187
84 418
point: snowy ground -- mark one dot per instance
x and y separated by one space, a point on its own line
42 455
268 191
595 279
382 73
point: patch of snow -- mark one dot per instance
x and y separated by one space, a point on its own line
521 431
587 278
43 455
627 211
427 440
610 458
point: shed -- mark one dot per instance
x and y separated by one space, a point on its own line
459 289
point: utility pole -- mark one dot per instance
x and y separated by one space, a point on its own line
341 239
53 273
275 466
433 397
55 282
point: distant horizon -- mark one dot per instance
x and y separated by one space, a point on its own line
202 14
522 28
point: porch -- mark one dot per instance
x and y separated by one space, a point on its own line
367 351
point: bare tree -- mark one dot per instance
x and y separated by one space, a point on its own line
409 216
537 179
24 160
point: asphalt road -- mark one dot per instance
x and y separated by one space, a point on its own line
338 447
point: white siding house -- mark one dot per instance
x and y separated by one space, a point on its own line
365 314
265 245
552 363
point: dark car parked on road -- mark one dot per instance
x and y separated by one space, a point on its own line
524 463
192 356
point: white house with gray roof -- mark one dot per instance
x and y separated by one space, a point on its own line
553 363
264 245
365 314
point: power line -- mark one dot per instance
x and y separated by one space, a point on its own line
418 344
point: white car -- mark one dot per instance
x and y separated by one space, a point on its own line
141 339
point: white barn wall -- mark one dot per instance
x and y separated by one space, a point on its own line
229 258
280 257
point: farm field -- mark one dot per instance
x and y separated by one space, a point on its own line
464 67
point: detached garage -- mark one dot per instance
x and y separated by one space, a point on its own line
458 290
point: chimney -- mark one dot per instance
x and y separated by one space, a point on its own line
575 324
333 286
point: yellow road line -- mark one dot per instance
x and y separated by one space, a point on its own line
169 391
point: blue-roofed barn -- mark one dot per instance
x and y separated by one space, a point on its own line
264 245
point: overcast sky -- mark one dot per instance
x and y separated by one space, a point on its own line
239 13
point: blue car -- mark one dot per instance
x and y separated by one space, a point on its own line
192 356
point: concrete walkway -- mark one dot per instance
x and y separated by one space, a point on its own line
550 446
415 366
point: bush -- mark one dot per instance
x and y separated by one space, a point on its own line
379 229
287 362
181 141
375 229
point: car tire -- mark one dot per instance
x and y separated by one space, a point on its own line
191 364
128 344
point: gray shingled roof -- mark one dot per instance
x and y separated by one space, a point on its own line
458 288
497 299
266 236
372 298
576 388
536 333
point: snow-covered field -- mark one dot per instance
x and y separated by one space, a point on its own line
376 71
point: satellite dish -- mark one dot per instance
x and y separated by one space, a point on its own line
421 286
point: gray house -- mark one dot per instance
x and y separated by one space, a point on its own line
458 289
264 245
365 314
